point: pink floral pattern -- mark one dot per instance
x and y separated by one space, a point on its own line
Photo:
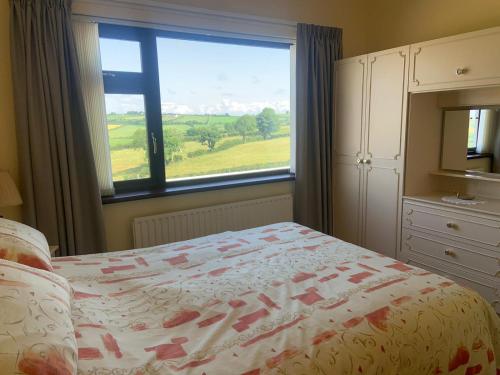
23 244
36 333
280 299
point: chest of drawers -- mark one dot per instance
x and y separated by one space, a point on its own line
460 243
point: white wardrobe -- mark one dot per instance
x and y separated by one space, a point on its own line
371 101
389 199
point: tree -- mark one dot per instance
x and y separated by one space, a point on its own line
172 143
209 136
192 132
230 128
245 125
267 122
139 139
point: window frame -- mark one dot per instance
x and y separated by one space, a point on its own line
147 83
473 150
144 83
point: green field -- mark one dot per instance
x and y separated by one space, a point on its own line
128 143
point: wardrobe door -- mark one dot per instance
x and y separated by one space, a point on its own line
350 83
456 62
384 149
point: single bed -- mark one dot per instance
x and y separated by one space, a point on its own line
279 299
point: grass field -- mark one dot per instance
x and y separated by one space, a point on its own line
193 158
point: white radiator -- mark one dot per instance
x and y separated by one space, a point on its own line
184 225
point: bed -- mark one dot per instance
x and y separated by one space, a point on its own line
279 299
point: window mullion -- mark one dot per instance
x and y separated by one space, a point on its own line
153 107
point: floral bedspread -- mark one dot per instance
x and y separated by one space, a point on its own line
279 299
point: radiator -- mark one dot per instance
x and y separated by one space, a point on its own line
185 225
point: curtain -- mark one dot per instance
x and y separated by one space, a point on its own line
486 131
318 47
60 189
89 58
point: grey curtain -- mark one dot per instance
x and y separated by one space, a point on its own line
59 183
317 49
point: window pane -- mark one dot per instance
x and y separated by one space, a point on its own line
120 55
473 128
128 138
226 108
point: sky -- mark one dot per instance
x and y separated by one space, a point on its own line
205 78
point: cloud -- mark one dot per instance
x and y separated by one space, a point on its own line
123 103
170 107
255 80
239 108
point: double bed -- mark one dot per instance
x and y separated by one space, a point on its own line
279 299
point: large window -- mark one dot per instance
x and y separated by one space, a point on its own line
187 109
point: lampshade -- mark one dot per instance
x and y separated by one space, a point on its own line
9 195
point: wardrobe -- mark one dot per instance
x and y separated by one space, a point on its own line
391 189
370 109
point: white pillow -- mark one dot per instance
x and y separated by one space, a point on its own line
36 331
23 244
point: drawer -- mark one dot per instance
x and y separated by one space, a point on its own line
449 251
456 62
462 226
486 288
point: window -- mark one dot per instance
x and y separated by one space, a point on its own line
474 119
186 109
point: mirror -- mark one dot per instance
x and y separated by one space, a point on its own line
471 140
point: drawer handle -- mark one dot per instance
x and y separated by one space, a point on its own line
461 71
452 225
449 252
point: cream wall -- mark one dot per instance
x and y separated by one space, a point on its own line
8 153
118 217
394 23
341 13
347 14
368 26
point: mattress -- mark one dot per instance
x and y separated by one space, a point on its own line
279 299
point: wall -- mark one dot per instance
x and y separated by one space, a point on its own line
118 217
394 23
454 140
8 150
346 14
368 26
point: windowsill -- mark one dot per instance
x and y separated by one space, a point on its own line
196 188
479 156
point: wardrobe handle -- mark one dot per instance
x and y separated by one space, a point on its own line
460 71
366 161
452 225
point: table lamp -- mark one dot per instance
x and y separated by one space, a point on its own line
9 195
